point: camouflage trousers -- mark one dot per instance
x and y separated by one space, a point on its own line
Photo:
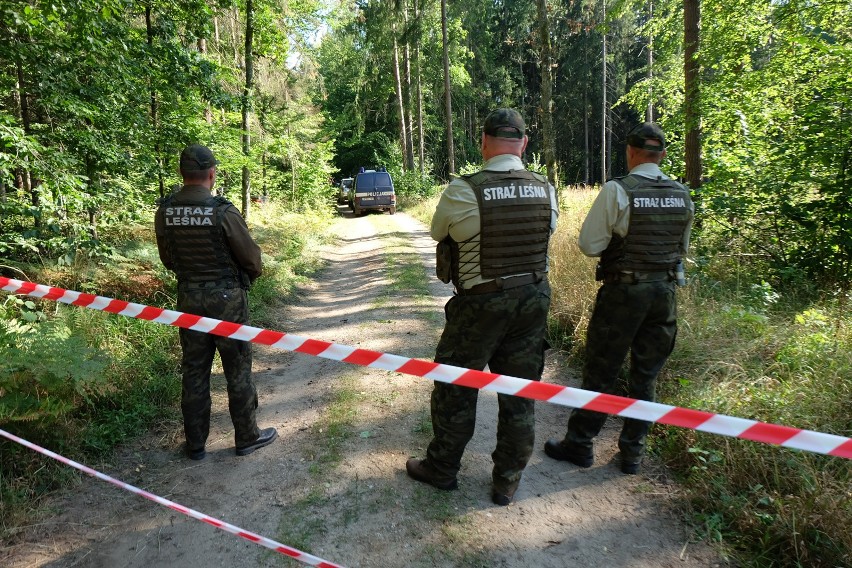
639 318
504 330
230 304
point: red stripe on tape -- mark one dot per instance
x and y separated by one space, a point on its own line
249 536
213 522
362 357
149 313
844 450
769 433
685 418
313 347
540 391
186 320
54 294
608 403
116 306
475 379
417 367
26 288
84 300
288 551
226 328
267 337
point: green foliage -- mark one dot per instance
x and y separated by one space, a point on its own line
773 363
776 126
45 371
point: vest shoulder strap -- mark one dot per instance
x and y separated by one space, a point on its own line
634 181
483 176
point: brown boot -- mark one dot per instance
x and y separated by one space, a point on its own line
421 470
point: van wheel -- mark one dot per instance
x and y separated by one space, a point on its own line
392 210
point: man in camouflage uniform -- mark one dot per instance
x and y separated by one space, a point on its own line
639 226
494 226
206 242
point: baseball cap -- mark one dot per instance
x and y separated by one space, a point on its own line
645 131
196 157
504 123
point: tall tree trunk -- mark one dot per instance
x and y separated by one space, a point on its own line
587 167
420 144
448 104
158 153
546 92
604 106
649 112
23 176
91 174
234 28
400 103
691 94
202 49
246 104
406 89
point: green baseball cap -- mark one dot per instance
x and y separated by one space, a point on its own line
196 157
504 123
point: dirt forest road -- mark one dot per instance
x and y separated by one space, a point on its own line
334 483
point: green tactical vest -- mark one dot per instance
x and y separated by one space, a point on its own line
514 211
196 242
659 213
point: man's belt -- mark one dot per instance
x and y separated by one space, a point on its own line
221 284
638 277
500 284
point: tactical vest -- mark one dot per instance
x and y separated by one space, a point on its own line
196 241
514 212
659 213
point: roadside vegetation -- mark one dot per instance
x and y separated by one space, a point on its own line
81 382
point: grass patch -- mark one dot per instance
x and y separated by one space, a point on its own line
299 526
335 426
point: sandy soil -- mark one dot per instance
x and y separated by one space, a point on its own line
347 499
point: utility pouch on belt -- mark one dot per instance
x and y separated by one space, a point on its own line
444 261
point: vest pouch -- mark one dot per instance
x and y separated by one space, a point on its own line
444 261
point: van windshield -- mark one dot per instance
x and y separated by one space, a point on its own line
373 180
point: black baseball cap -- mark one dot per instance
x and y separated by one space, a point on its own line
196 157
645 131
504 123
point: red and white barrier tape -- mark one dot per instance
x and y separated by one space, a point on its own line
785 436
257 539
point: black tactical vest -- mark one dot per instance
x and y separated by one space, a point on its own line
196 242
659 213
514 212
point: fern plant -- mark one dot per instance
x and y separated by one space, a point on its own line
45 371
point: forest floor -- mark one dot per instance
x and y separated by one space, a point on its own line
334 483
